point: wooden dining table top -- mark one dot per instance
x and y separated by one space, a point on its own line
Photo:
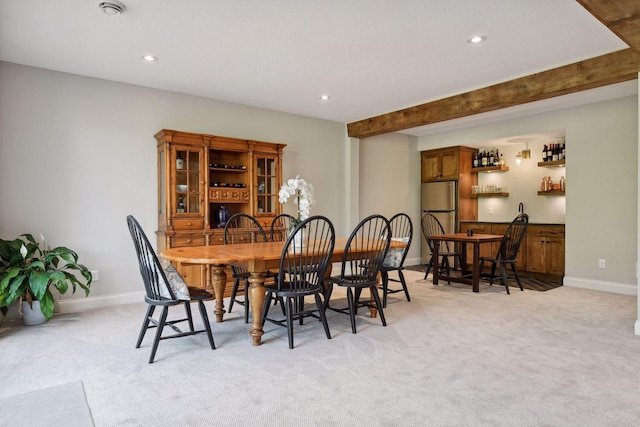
245 252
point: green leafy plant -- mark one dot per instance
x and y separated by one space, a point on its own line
27 271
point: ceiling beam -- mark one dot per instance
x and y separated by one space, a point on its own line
621 17
615 67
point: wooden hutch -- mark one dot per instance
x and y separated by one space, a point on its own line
200 173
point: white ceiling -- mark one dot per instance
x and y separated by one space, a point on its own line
370 56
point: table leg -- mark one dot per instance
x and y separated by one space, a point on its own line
463 258
256 299
476 267
219 283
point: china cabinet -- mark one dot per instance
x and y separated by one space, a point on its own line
203 179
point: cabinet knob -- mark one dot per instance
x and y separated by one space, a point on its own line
188 240
189 223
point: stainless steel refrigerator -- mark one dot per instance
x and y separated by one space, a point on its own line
441 200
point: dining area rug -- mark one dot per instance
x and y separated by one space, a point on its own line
532 283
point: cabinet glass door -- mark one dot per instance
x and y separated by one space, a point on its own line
267 185
187 191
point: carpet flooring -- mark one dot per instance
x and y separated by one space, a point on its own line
528 282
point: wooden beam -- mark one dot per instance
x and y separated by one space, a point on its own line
622 17
615 67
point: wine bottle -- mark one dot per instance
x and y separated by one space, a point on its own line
544 153
555 153
475 160
496 159
549 152
180 205
484 159
492 157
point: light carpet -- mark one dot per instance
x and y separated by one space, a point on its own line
450 357
64 405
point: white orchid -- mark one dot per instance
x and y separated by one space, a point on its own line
304 196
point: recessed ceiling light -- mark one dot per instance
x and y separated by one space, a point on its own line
112 7
476 39
325 97
150 58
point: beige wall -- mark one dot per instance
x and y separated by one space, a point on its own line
389 171
77 155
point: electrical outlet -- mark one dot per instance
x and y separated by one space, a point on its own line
490 211
96 275
602 263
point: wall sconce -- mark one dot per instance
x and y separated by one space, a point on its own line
524 154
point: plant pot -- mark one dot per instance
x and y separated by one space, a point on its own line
32 316
298 240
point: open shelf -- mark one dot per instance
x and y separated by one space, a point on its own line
490 169
477 195
551 193
556 164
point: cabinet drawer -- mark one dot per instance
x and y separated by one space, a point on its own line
228 195
216 239
188 224
188 240
545 231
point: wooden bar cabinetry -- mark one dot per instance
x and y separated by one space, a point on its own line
200 175
542 250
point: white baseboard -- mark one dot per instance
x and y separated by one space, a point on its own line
596 285
79 304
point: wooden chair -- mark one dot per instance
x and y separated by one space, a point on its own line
430 227
362 260
165 288
242 228
401 230
508 251
301 274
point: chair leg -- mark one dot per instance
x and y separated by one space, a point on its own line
445 264
503 275
156 341
323 316
187 309
300 309
352 313
376 298
145 324
327 295
404 286
267 305
207 325
515 273
356 301
289 309
234 292
246 301
385 284
493 273
429 267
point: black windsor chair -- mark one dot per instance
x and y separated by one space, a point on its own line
431 227
362 260
301 274
242 228
164 287
402 231
508 251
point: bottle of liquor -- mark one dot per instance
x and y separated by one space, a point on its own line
492 157
549 152
475 160
496 159
180 205
544 153
501 161
562 152
555 153
179 161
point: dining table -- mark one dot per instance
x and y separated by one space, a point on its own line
257 258
463 239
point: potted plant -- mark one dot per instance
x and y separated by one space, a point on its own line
27 271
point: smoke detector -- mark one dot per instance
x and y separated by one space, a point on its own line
112 7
